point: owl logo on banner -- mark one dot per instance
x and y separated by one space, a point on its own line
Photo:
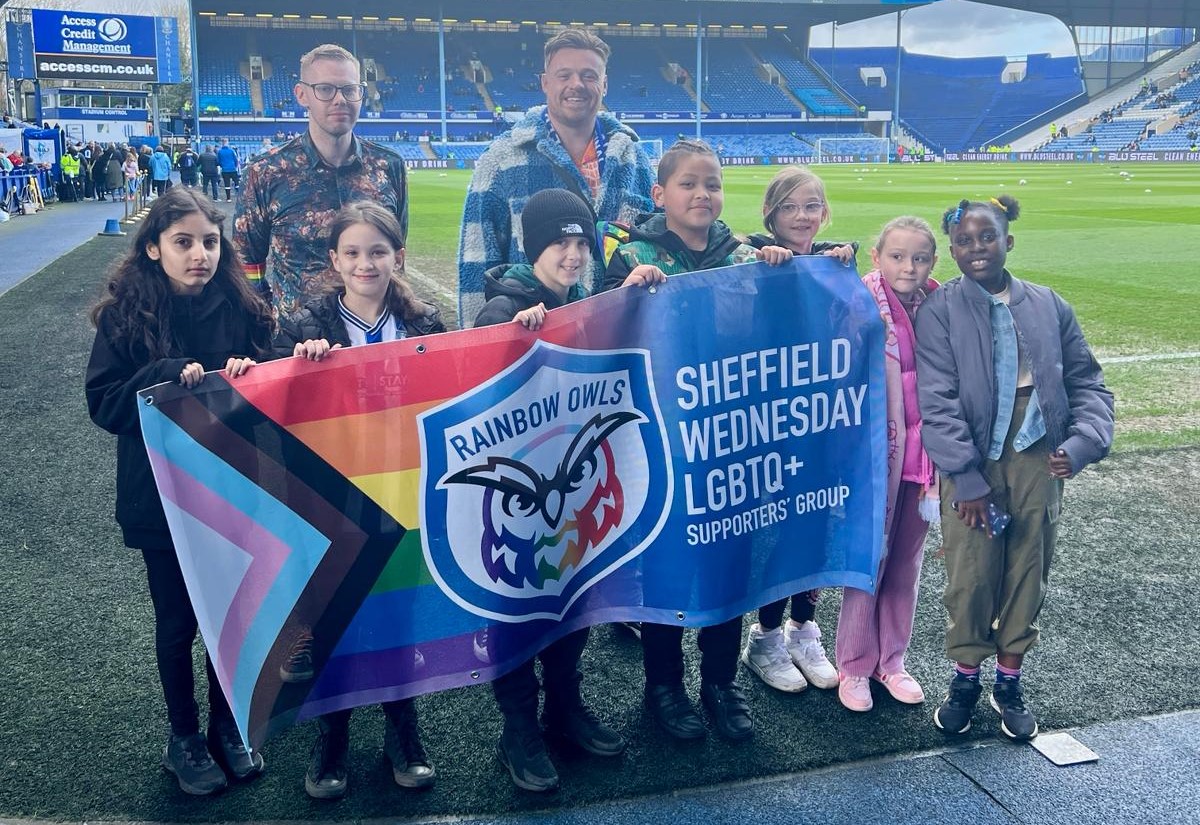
541 482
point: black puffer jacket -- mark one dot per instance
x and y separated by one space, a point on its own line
510 288
321 319
208 328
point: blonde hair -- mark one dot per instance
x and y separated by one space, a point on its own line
910 223
327 51
783 184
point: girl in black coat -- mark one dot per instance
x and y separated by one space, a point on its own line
177 305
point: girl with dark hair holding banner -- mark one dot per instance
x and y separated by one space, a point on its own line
177 306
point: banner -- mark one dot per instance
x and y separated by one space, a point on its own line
20 49
428 513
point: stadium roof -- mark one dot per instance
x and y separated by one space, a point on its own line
1166 13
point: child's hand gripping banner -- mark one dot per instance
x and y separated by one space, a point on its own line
408 517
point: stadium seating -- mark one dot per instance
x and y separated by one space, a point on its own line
804 83
954 103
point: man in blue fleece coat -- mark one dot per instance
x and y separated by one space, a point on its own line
568 143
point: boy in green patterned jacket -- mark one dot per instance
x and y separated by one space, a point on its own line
686 236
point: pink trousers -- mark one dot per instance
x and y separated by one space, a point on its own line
874 631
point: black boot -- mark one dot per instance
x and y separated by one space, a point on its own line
569 718
402 746
326 776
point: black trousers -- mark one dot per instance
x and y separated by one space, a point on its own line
662 652
211 185
517 691
174 634
804 607
338 722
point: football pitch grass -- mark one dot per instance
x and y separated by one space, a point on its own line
1127 259
81 718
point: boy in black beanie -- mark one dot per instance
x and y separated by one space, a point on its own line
558 233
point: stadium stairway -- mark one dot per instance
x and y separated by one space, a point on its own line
1163 73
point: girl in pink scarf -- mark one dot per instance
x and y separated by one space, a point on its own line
874 631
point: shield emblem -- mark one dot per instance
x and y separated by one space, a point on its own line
542 481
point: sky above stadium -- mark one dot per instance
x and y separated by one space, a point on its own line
956 28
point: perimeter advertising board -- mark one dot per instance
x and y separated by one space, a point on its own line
80 45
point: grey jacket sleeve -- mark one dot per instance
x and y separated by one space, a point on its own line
1090 427
945 432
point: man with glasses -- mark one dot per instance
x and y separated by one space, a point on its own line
290 195
566 144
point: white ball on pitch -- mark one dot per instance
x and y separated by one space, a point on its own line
1022 182
1068 183
1147 190
1123 173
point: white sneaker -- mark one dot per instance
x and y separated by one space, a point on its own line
804 646
766 655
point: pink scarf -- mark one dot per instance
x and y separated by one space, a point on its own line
896 431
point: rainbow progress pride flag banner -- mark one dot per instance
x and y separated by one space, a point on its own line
430 512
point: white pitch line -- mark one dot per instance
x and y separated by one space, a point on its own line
1162 356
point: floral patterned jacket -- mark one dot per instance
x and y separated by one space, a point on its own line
288 200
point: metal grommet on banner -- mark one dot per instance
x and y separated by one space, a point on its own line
652 290
149 400
420 347
474 674
679 615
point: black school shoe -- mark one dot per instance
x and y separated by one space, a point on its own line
1016 720
673 711
225 744
187 757
729 710
953 715
522 750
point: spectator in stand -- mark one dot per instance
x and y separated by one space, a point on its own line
6 165
1062 132
210 171
99 162
568 143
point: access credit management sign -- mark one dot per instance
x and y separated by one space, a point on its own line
80 45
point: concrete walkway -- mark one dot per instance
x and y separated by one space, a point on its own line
1146 774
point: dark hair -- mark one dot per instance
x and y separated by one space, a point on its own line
673 156
576 39
137 296
1005 207
400 297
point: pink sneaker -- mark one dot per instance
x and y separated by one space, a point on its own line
854 692
904 688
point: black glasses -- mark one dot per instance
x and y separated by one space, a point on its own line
325 92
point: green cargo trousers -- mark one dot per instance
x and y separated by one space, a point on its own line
995 587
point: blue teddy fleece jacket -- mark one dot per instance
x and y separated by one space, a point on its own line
524 161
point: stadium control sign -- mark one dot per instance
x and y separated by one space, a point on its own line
81 45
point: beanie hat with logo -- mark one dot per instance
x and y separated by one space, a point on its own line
552 214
